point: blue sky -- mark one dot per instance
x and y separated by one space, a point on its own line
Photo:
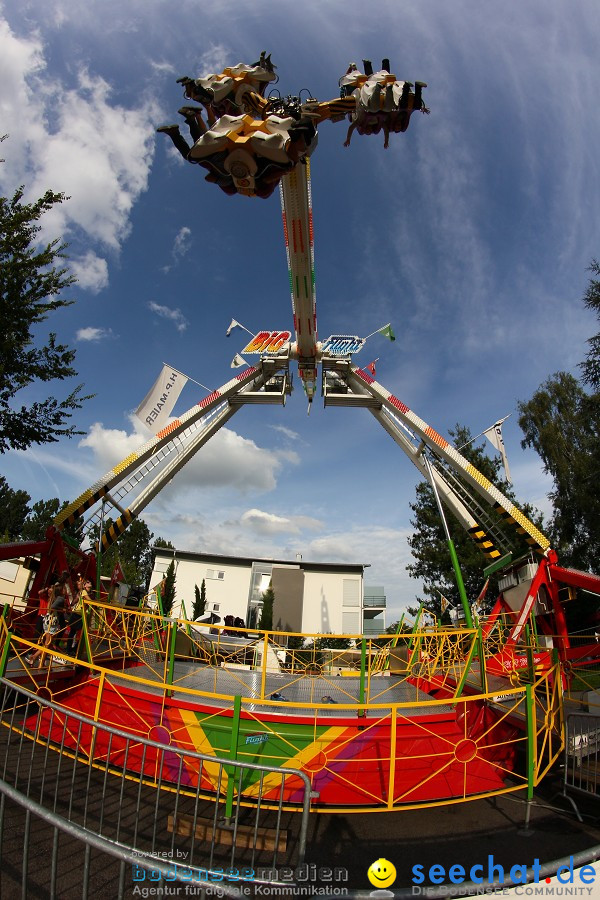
471 234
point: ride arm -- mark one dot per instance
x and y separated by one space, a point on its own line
334 110
447 493
127 466
116 529
296 207
584 580
505 508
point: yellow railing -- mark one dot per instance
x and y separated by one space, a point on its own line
415 744
447 660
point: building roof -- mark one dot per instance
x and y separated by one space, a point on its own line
248 561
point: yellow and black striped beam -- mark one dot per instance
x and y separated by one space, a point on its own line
115 530
510 519
484 542
76 509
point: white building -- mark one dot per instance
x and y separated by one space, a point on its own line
318 598
15 577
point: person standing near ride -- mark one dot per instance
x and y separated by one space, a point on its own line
42 610
84 585
58 605
51 627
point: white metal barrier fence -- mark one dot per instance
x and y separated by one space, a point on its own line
129 831
582 757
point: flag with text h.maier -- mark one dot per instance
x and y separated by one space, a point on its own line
157 405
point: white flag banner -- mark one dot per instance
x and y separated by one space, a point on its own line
238 361
157 405
494 435
233 325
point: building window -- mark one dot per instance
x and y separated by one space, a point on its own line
215 607
351 622
215 574
350 592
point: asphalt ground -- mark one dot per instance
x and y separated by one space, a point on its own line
462 834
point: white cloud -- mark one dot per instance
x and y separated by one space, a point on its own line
286 432
93 334
183 242
214 59
111 445
174 315
91 272
228 460
262 522
162 67
73 139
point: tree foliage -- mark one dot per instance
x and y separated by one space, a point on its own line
561 422
20 521
31 283
168 594
132 550
14 508
199 600
41 515
591 365
557 423
432 563
266 616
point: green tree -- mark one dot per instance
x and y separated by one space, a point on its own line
432 563
199 600
266 615
591 365
31 282
332 643
168 594
132 550
40 516
560 422
14 508
161 542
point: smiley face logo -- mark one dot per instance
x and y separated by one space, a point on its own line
381 873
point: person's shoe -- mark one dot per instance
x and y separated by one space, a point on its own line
189 112
28 660
385 65
185 80
368 67
167 129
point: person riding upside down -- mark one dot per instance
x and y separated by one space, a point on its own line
249 141
245 146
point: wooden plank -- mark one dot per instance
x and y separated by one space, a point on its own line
246 836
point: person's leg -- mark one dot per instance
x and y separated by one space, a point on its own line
177 138
194 121
418 101
75 625
40 652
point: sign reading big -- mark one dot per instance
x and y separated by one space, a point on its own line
267 342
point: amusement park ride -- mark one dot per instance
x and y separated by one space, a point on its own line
250 143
